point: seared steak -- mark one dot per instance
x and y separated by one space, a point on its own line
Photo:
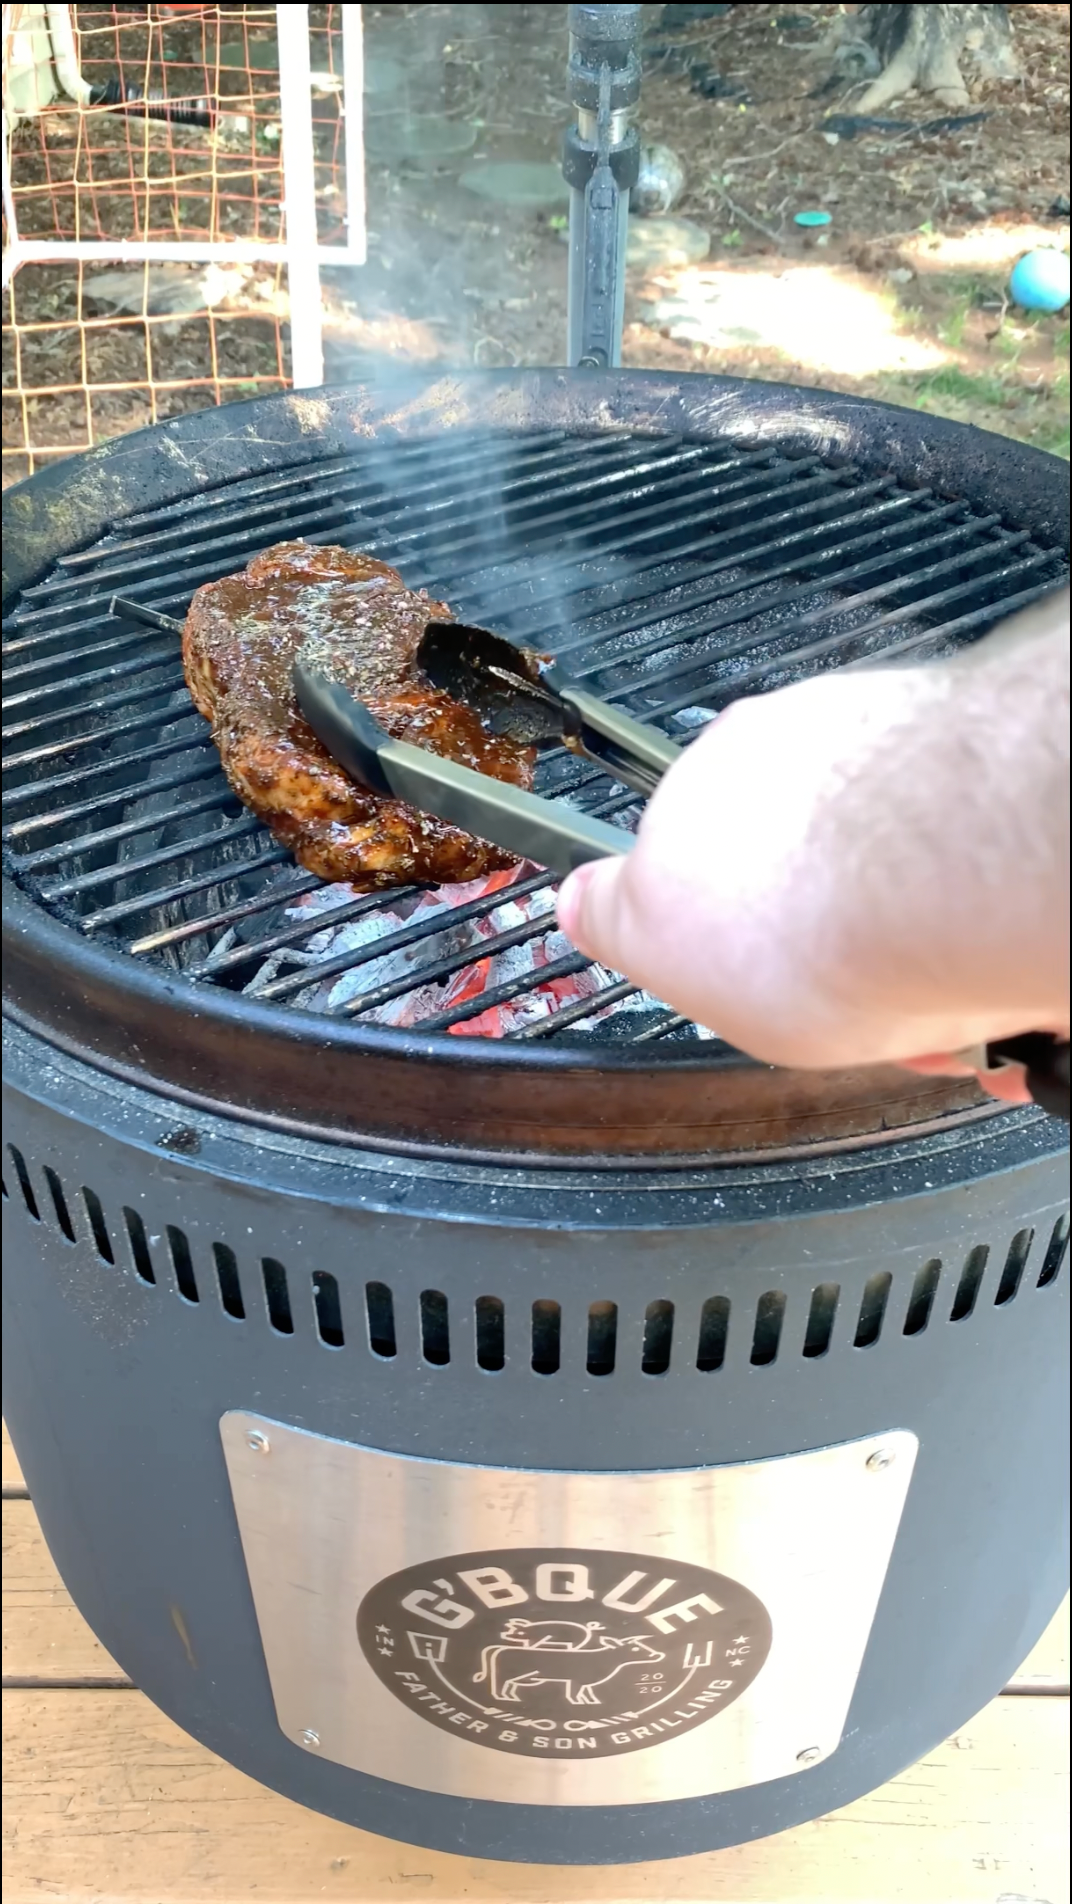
239 644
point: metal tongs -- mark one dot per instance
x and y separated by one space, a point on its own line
516 692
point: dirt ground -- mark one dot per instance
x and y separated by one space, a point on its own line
901 295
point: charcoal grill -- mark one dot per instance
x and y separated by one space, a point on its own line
268 1253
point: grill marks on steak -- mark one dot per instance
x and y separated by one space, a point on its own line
239 644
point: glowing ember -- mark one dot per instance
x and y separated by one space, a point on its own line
383 957
401 965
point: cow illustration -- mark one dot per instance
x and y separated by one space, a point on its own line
522 1659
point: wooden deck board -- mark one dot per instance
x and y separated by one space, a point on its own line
12 1475
45 1636
107 1799
1046 1668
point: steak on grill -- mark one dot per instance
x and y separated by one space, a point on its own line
239 644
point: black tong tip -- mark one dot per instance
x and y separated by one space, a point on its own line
488 673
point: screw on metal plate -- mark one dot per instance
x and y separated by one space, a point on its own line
881 1459
310 1738
809 1755
259 1443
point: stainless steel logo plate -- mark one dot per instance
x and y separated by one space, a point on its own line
563 1639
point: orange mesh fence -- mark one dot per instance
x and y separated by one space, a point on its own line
175 142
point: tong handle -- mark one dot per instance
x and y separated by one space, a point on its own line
636 755
1045 1060
544 831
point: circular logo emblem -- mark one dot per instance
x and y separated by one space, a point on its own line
563 1651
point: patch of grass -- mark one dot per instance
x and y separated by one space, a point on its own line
1009 342
910 318
1036 415
952 331
961 386
964 289
964 296
1053 435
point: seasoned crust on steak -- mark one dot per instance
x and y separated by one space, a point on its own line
238 648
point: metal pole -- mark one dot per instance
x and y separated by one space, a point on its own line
299 197
353 96
601 161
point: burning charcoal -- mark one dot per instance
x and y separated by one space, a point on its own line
484 971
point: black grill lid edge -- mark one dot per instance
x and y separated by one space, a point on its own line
70 504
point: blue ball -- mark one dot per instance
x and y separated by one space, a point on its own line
1039 281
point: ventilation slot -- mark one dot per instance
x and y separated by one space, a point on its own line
59 1204
921 1301
435 1328
658 1333
227 1278
872 1309
1056 1251
277 1296
602 1338
98 1227
328 1309
490 1333
714 1328
971 1277
24 1183
546 1337
821 1313
1015 1261
139 1246
380 1315
183 1264
767 1334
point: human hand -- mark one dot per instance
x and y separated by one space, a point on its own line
862 868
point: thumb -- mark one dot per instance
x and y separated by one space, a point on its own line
590 908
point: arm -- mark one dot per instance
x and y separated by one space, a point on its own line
868 866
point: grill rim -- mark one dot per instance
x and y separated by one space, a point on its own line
437 1095
110 1009
70 504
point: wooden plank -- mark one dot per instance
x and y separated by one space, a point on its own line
1046 1668
12 1475
45 1637
107 1798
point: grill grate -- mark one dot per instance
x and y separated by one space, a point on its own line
674 575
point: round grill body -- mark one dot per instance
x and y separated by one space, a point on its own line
581 1444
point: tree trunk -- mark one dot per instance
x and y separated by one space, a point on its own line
920 49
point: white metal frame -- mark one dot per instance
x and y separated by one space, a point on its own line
303 254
